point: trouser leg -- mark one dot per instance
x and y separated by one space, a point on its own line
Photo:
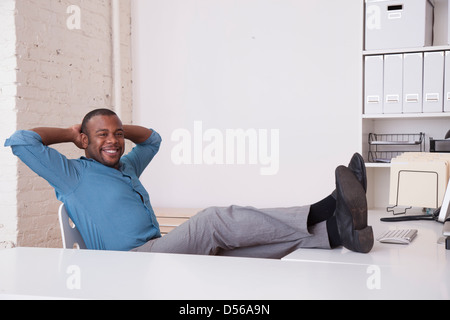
242 231
318 239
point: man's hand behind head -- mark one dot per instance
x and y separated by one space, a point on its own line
76 130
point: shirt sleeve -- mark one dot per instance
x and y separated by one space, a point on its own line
143 153
62 174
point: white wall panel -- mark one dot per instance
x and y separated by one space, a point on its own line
286 69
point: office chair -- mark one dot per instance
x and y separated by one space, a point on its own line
71 237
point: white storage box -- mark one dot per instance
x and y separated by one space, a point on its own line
393 24
441 29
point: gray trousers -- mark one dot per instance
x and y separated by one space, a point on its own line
243 231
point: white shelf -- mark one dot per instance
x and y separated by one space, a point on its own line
407 115
377 165
405 50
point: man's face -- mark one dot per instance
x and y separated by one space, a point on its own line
104 140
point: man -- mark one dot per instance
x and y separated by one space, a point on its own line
112 209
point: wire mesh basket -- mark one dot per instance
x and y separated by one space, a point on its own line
384 147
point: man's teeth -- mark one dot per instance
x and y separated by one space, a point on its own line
110 151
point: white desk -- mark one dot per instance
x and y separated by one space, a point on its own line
418 271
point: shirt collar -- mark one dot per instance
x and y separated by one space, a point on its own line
121 164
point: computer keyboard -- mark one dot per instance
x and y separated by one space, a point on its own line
398 236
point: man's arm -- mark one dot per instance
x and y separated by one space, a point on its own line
63 174
51 136
136 134
147 146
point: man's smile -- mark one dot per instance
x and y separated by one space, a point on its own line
111 151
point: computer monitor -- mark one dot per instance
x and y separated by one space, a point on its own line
444 213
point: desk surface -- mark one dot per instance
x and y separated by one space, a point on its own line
420 270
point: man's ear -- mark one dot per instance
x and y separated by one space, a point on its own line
84 141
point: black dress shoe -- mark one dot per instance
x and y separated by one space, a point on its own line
358 168
351 212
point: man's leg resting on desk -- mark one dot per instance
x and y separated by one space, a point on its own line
219 230
274 233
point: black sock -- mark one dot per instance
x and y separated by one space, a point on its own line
333 232
321 211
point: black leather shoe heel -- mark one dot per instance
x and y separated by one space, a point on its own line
362 240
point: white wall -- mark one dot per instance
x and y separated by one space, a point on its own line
287 65
8 163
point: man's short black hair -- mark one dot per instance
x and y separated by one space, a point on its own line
93 113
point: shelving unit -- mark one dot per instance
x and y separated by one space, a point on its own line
433 125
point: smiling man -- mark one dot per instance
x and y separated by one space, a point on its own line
112 209
104 141
101 191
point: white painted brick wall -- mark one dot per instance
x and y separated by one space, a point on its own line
8 163
61 75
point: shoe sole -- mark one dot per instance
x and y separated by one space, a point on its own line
358 236
356 165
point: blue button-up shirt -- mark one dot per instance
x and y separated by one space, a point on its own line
110 207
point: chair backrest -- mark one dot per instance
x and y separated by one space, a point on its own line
71 237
